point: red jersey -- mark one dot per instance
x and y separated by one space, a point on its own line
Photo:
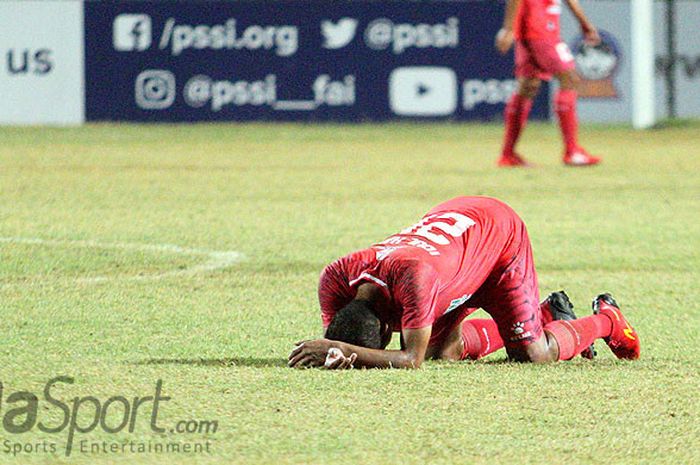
537 20
431 268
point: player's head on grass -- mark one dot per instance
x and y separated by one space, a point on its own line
357 324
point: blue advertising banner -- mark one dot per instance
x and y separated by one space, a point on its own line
296 60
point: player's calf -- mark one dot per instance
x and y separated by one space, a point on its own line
558 306
471 340
607 322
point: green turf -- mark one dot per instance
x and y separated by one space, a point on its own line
292 198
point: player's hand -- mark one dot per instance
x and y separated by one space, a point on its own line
336 360
504 40
310 353
590 35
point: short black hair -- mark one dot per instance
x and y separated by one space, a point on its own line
356 324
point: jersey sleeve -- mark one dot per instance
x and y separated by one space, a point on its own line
333 291
415 289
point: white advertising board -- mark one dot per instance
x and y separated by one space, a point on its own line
41 62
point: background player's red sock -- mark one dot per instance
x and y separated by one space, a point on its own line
565 106
517 111
480 337
573 336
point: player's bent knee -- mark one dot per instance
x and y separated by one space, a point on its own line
529 87
537 352
569 80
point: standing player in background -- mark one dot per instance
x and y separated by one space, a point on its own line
539 54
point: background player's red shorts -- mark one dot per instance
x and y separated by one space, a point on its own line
542 58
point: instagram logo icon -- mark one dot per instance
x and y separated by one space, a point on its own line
155 89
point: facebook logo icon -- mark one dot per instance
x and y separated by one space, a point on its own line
131 32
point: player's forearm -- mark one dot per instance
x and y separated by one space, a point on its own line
374 358
577 11
509 17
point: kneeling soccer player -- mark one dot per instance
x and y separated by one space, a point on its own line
466 253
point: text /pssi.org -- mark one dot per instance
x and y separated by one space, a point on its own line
83 414
137 32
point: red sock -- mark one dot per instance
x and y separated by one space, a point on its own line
517 111
480 337
565 106
574 336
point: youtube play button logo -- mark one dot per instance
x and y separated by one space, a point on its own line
423 91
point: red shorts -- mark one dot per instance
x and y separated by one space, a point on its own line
542 58
510 295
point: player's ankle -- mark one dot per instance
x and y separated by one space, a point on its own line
605 324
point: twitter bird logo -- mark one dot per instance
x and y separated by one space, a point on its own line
338 35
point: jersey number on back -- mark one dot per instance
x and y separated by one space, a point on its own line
435 230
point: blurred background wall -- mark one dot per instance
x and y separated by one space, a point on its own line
65 62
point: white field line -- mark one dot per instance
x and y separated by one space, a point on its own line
216 259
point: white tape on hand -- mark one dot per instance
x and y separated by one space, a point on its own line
333 356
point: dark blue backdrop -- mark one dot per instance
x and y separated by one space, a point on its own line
296 60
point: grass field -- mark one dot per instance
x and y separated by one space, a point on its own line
91 286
